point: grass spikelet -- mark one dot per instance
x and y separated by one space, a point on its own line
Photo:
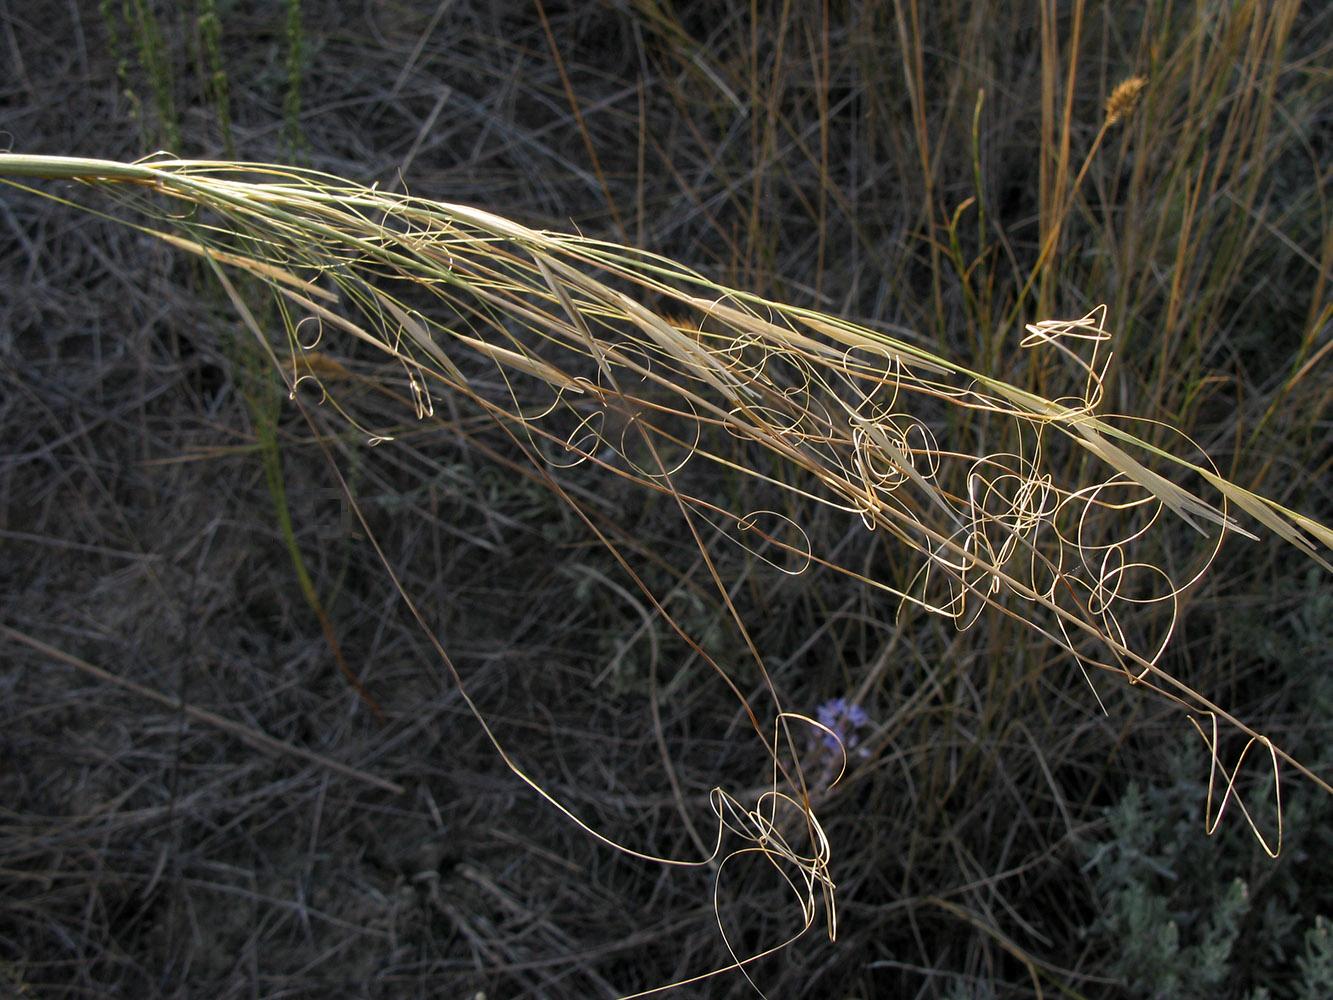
1124 98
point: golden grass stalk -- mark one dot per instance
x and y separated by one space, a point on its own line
655 373
814 390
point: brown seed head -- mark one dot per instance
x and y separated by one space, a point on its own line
1123 99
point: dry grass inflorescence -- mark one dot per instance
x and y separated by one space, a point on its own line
412 599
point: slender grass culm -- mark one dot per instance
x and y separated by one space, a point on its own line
604 363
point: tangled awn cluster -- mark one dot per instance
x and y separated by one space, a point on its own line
589 353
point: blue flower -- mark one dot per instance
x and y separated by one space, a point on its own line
843 719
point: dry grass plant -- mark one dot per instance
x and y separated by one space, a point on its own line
824 413
204 806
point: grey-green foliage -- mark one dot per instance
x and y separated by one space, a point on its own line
1163 943
291 105
134 24
213 70
1183 915
1316 964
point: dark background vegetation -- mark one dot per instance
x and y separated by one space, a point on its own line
1002 837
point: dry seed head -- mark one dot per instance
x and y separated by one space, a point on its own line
692 328
1123 99
322 365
